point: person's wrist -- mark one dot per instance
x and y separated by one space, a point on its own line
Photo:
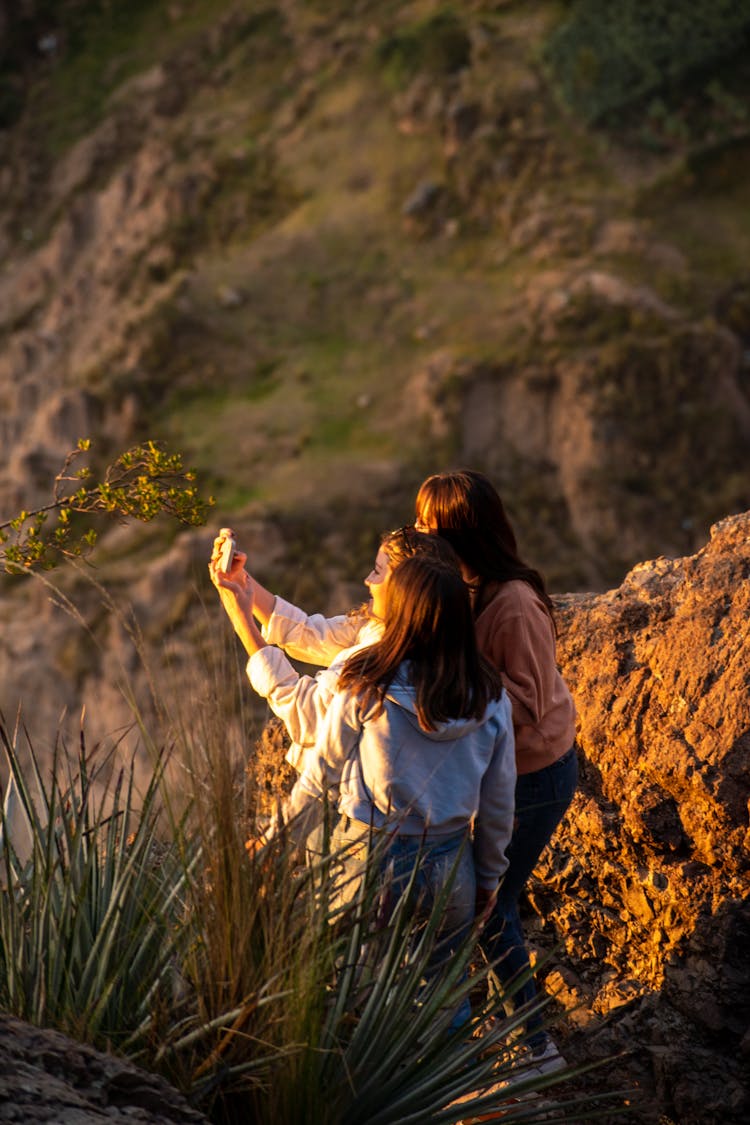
244 599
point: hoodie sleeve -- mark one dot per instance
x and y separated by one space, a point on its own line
338 738
314 639
301 702
494 823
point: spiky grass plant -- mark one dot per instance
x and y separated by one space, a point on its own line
347 1021
90 899
289 1008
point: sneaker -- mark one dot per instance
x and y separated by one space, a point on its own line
536 1064
545 1060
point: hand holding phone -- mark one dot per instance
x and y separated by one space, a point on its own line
227 550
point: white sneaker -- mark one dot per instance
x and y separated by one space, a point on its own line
532 1065
546 1060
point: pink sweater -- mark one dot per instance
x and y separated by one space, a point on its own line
516 634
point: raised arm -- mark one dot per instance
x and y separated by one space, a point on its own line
314 638
236 593
340 731
301 702
262 599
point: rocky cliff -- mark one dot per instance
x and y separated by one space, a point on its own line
47 1077
210 222
648 884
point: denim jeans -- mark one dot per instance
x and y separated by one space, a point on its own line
542 798
438 860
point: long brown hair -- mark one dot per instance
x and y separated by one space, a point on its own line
428 623
405 543
465 509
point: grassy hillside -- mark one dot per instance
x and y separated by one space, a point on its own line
378 204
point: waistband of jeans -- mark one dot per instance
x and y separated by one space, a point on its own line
413 832
566 756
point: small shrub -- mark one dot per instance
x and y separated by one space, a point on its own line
141 483
604 62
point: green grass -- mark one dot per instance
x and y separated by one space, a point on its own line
703 207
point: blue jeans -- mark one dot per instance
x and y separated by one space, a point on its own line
438 860
542 798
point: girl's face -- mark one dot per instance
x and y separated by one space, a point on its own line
377 582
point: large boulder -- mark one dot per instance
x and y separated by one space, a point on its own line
47 1077
648 884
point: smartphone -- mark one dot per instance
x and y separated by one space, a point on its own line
227 550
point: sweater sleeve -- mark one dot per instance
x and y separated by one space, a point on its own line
314 639
494 822
516 634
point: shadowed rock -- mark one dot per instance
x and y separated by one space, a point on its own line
47 1077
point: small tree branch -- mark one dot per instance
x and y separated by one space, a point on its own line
140 483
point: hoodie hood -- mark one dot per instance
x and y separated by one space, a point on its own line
402 693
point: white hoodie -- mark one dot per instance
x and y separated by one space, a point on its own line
301 701
383 769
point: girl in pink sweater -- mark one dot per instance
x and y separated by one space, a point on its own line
516 633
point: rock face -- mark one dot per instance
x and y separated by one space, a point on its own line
648 884
46 1077
163 254
588 441
75 307
585 394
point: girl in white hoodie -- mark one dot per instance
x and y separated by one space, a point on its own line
416 740
301 701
